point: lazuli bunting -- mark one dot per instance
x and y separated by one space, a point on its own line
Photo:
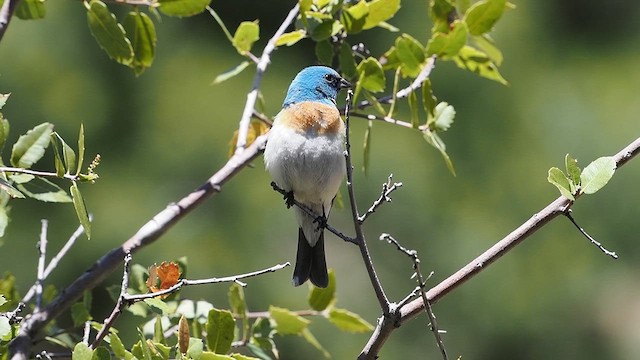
305 157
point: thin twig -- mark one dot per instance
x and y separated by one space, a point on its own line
413 255
42 249
56 259
6 13
567 213
37 173
387 189
252 96
262 117
385 305
385 119
87 332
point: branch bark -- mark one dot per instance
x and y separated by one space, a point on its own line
410 310
19 348
6 13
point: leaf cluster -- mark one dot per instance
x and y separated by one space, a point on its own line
589 180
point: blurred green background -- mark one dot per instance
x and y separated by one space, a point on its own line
574 85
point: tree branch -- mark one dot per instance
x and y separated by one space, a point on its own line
252 96
146 235
6 13
537 221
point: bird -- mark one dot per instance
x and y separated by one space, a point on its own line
305 157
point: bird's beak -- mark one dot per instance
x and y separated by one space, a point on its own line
344 84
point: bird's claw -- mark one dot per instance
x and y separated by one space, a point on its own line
321 221
288 199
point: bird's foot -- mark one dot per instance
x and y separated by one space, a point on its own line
321 221
288 199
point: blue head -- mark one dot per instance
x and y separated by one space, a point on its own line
315 83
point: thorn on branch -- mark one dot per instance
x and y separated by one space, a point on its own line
567 213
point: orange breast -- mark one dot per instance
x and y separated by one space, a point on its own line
312 116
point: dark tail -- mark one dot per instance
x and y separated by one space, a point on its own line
310 262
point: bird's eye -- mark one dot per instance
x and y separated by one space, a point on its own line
330 78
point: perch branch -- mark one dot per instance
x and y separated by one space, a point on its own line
6 13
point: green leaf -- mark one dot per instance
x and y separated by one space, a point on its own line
5 327
319 298
324 52
413 109
434 140
355 17
68 155
347 63
573 171
80 149
157 306
30 147
3 99
195 349
158 332
118 347
366 150
3 300
315 343
237 356
443 116
247 33
478 62
81 209
4 130
410 53
44 190
597 174
371 75
429 101
347 321
322 30
560 180
486 44
449 44
30 10
80 314
9 189
101 353
142 34
220 327
287 322
441 11
231 73
109 34
143 351
207 355
482 16
81 352
379 11
182 8
291 38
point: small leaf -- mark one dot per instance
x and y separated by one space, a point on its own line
248 32
81 352
597 174
482 16
30 147
476 61
182 8
429 101
4 220
44 190
287 322
144 351
324 52
237 301
413 109
443 116
3 99
4 130
449 44
571 165
5 327
80 314
158 332
560 180
366 149
291 38
30 10
81 209
101 353
347 63
434 140
441 11
355 17
236 356
80 149
183 335
220 327
196 347
411 55
486 44
380 11
350 322
157 306
319 298
231 73
109 34
118 347
371 75
142 34
9 189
